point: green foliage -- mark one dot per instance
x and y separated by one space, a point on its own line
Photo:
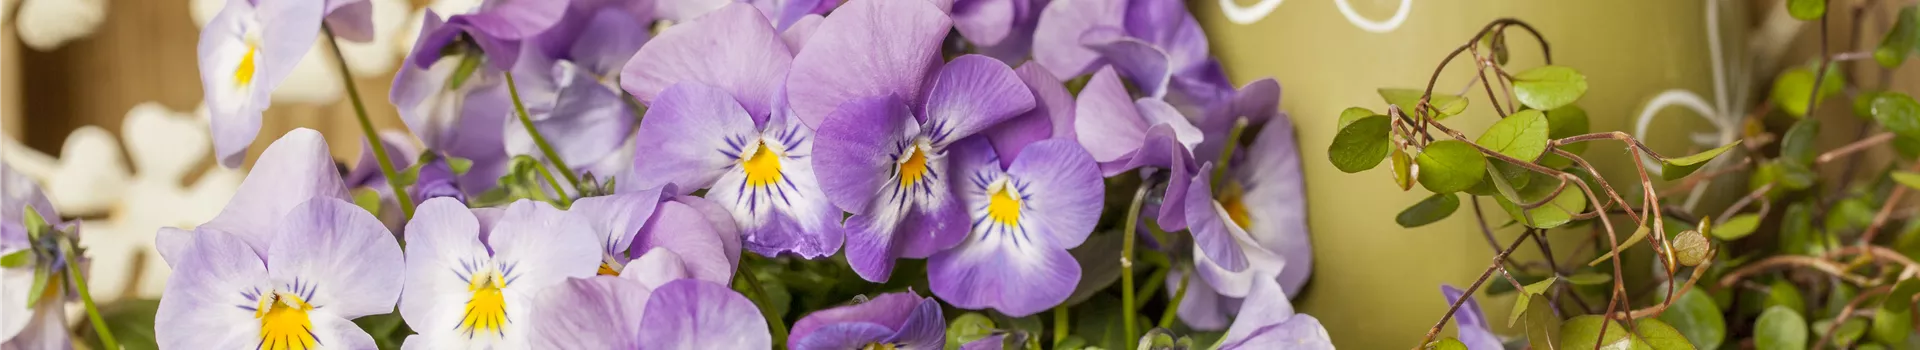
1901 40
1660 336
1353 114
1690 248
1794 86
1696 316
1447 343
1892 326
1569 201
1898 113
1807 10
1737 227
1524 303
1639 234
1847 333
1907 178
1522 135
1543 327
1435 207
17 259
1676 168
967 328
1448 166
1441 105
1780 328
1590 278
1798 143
1582 332
131 322
1549 87
1564 122
1361 145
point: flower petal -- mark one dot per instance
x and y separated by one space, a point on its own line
1267 321
796 35
46 328
1276 201
682 229
1056 40
1203 309
444 236
847 335
582 120
723 226
599 312
1214 232
1055 174
867 48
1051 117
543 245
340 252
294 169
1471 324
692 135
1168 25
1105 120
932 226
924 329
205 307
351 20
734 49
695 314
789 213
655 268
850 153
889 311
616 218
516 19
1145 65
995 272
338 332
682 10
984 22
973 93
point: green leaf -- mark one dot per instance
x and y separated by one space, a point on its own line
1849 214
1447 344
1676 168
1589 278
1697 317
367 199
1522 135
1737 227
1863 103
1807 10
35 224
1435 207
1791 175
1899 113
1582 332
1402 169
1798 143
382 327
42 279
1443 106
1793 87
1908 147
460 166
1543 327
130 320
1564 122
1353 114
1639 234
1449 166
1780 328
1549 87
1661 336
1783 294
1892 326
1849 331
1100 323
1902 296
1690 248
1569 202
1525 302
1361 145
17 259
967 328
1902 38
1907 178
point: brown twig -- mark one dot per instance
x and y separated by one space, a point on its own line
1855 147
1880 219
1498 259
1791 261
1847 312
1655 310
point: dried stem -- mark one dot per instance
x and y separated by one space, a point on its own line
1498 259
1791 261
1847 312
1855 147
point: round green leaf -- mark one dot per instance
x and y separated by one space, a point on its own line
1807 10
968 327
1361 145
1793 87
1449 166
1676 168
1443 105
1899 113
1783 294
1543 327
1435 207
1564 122
1690 248
1907 178
1569 202
1903 38
1848 333
1780 328
1447 344
1798 143
1892 326
1697 317
1549 87
1352 114
1661 336
1582 332
1522 135
1737 227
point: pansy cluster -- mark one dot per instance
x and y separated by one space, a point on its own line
599 174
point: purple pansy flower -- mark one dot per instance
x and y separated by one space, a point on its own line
286 265
1125 134
366 174
41 324
566 77
467 120
1254 230
1267 321
783 13
1051 117
902 320
634 224
245 52
1473 326
607 312
1024 218
497 28
466 287
715 124
1156 43
351 20
886 111
1001 29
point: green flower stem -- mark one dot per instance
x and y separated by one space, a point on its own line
778 325
1166 317
366 127
1154 281
86 299
1059 324
557 190
1126 264
520 110
1233 142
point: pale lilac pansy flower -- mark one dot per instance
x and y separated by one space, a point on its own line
1267 321
567 78
1252 229
1157 44
1001 29
636 224
467 287
886 110
1474 329
1126 134
718 121
245 52
366 174
497 28
782 14
466 120
1024 218
40 324
285 266
902 320
608 312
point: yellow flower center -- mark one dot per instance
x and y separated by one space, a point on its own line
284 324
243 74
1230 199
487 310
1004 206
914 167
762 166
608 267
879 346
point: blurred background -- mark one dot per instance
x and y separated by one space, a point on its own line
98 100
